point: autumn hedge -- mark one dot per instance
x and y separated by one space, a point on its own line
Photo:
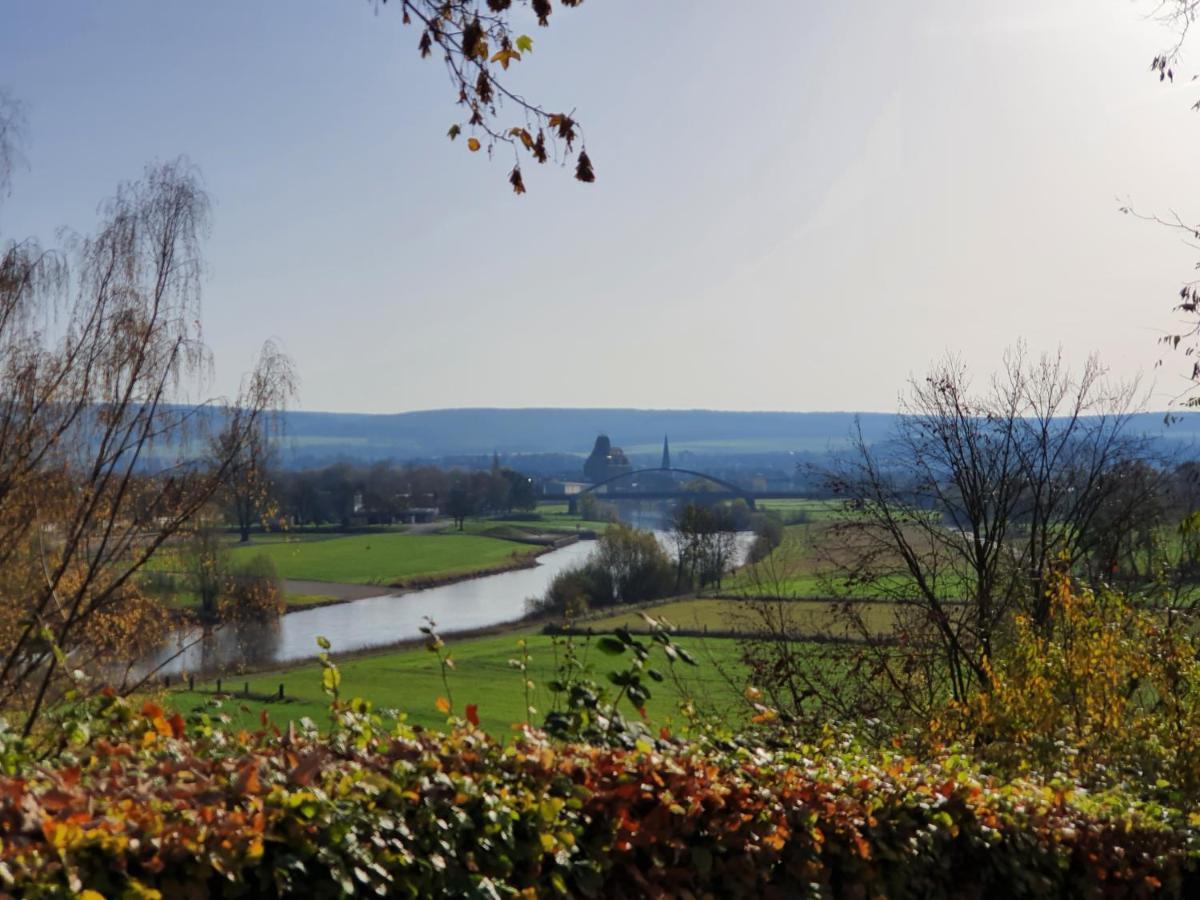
145 803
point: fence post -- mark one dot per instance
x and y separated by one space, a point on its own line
281 690
218 685
246 689
191 682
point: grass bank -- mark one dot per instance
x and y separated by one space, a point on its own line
410 680
396 560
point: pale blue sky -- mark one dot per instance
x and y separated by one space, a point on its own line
798 204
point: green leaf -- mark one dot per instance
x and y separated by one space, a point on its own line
453 132
524 43
610 645
323 642
330 680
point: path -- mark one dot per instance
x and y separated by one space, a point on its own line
337 589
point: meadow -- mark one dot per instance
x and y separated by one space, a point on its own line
386 559
410 680
522 529
747 616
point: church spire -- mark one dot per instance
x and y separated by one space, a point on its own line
666 460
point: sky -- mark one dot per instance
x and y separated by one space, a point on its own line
798 205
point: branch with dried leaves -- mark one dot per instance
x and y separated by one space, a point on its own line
477 41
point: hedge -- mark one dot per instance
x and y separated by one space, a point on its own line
144 803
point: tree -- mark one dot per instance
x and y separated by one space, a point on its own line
961 514
474 37
634 564
705 544
98 426
248 490
206 564
460 503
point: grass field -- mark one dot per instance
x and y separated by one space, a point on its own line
409 680
814 510
792 569
749 616
516 529
381 558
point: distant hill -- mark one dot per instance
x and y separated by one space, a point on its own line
315 438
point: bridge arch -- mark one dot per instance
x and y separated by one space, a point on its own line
731 488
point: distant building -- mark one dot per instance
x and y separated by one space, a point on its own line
563 488
606 461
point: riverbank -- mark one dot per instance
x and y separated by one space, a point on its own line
342 592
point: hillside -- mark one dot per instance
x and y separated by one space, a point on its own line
317 437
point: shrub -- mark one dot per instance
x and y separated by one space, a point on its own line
627 566
634 563
1106 691
572 591
253 592
768 534
150 804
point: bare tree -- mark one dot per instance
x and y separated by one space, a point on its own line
98 429
959 516
248 490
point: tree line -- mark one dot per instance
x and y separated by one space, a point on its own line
384 493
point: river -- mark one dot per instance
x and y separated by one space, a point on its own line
369 622
372 621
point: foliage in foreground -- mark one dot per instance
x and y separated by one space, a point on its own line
150 802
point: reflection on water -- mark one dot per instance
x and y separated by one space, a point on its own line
373 621
370 622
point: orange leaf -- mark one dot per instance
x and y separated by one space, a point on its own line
247 781
443 705
150 709
473 144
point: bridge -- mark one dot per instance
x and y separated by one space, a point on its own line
657 490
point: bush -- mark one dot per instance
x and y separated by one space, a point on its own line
768 534
1107 691
627 566
572 591
253 592
149 804
634 563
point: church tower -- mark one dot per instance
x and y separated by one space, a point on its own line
666 460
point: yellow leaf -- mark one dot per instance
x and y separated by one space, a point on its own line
443 705
473 144
505 55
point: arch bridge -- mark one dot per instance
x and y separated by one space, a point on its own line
660 491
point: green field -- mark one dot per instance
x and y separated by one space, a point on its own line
409 680
517 529
393 558
814 510
750 616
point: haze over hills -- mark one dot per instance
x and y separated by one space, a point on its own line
315 438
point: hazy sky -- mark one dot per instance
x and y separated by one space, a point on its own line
797 205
